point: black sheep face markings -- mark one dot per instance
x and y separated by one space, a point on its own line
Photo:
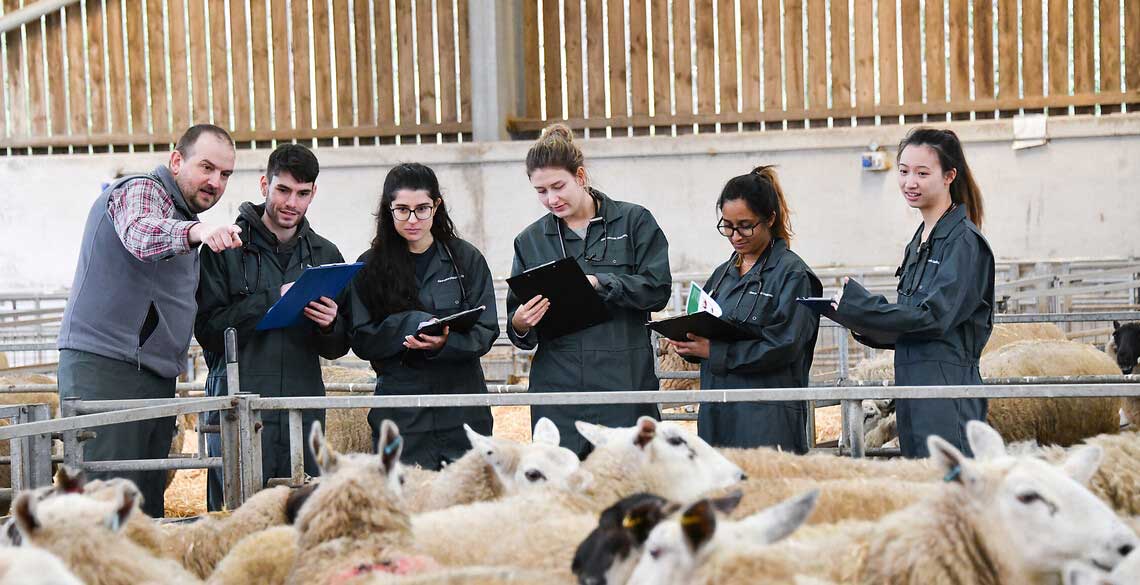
1126 339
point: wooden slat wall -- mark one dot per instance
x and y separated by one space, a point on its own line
130 74
133 74
792 63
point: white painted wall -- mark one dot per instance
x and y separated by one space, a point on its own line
1076 197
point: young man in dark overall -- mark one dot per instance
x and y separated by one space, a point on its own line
239 286
131 311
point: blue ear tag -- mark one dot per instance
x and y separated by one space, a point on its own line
390 448
953 474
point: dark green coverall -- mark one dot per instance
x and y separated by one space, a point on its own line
944 315
629 254
763 302
431 435
236 288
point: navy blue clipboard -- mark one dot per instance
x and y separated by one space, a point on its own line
315 282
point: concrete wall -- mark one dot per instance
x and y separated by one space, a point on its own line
1076 197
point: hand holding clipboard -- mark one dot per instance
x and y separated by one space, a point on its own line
561 299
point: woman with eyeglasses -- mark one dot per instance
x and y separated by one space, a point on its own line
418 270
945 307
757 289
626 259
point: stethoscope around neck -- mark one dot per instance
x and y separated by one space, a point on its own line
247 250
923 258
759 282
586 236
458 277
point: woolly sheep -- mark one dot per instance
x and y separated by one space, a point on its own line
496 467
493 468
611 549
1124 349
86 534
867 498
264 557
997 519
29 565
1060 421
541 528
348 429
355 517
767 463
699 548
199 546
882 366
1117 480
671 361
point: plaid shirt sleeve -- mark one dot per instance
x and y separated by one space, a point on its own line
143 216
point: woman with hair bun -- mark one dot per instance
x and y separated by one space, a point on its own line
757 289
626 259
945 308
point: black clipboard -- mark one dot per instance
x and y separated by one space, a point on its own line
315 282
876 338
703 324
460 322
574 304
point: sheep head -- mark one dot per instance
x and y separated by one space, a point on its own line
1032 515
70 515
542 462
682 465
359 494
610 552
677 547
386 462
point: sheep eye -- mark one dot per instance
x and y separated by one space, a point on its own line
1028 498
676 441
533 475
656 552
403 480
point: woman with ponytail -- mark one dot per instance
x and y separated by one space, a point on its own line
416 270
945 307
757 289
625 257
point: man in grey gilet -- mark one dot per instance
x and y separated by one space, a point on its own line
130 314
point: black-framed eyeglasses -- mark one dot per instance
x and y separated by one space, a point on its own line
727 229
422 212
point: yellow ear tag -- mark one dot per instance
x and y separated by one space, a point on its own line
689 520
630 521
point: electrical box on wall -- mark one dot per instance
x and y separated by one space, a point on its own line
875 160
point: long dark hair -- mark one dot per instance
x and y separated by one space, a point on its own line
963 190
761 191
387 282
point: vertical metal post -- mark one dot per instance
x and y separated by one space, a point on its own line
72 446
853 425
296 448
18 447
39 448
231 448
844 350
249 443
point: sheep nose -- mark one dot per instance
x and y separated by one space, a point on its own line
743 476
1127 370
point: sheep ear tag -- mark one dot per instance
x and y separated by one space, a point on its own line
953 474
